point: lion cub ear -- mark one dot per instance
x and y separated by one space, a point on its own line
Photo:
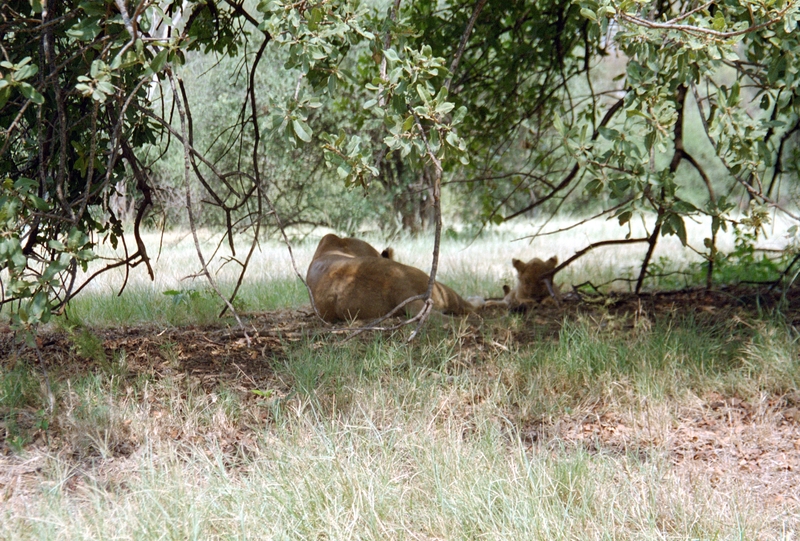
506 289
552 262
388 253
519 265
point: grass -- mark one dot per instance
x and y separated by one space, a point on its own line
474 267
378 439
614 427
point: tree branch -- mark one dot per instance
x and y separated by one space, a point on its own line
697 30
576 168
189 210
463 43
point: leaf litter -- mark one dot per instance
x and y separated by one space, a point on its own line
721 440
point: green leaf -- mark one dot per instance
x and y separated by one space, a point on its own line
391 55
313 18
650 140
105 87
76 238
159 61
39 308
453 139
733 99
444 107
29 92
18 259
25 72
459 115
608 133
56 245
719 23
301 130
85 30
433 140
423 93
558 124
344 170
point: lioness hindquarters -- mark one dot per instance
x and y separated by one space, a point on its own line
407 282
348 279
450 302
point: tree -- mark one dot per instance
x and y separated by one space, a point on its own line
75 99
548 124
500 102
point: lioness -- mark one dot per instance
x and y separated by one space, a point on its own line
534 284
349 279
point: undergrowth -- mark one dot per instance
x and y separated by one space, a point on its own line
462 433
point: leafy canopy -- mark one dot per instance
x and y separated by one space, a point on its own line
512 106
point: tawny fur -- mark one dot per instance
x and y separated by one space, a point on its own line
349 279
533 279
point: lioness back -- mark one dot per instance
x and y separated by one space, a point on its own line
349 279
350 246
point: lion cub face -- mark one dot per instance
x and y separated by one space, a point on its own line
534 282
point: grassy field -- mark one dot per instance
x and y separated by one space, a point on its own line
474 267
148 418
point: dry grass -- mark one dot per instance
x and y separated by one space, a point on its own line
675 418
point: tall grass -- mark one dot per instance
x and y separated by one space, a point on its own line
355 481
465 433
379 439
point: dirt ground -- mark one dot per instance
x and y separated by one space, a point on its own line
718 439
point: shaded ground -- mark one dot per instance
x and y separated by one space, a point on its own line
719 439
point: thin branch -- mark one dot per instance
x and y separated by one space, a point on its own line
785 272
437 209
463 43
751 190
592 246
251 91
189 210
692 12
697 30
574 172
778 169
584 221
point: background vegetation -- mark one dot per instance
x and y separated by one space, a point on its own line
118 116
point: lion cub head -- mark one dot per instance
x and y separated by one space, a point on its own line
534 283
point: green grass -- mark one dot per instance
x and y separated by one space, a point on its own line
474 430
379 439
143 305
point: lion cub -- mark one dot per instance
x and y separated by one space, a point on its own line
534 284
349 279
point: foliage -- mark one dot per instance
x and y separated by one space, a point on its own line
726 56
512 105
